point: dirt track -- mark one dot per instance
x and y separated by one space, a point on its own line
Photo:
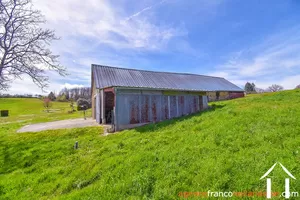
70 123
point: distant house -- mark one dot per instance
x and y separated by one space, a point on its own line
127 98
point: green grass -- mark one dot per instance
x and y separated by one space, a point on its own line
226 148
31 110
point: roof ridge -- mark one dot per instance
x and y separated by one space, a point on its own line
182 73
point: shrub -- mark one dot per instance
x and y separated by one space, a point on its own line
51 96
72 105
47 104
62 98
83 104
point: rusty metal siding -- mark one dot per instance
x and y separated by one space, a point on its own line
187 105
140 107
155 105
145 109
173 106
205 102
98 110
134 109
164 107
180 105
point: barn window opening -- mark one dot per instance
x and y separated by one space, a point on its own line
218 95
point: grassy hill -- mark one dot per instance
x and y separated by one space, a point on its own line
226 148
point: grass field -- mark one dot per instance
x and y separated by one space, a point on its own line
226 148
31 110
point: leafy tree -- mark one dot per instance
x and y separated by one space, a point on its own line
67 95
51 96
275 88
72 105
249 87
65 92
62 98
83 104
24 44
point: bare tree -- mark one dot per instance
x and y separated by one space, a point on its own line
24 44
275 88
259 90
297 87
76 93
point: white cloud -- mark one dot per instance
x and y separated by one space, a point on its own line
26 86
84 27
290 82
107 24
270 62
145 9
70 86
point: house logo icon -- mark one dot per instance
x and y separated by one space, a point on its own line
287 181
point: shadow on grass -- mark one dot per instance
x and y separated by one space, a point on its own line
163 124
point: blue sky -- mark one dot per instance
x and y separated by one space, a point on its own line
257 41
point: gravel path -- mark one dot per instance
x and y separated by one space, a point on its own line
70 123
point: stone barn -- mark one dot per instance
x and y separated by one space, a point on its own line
127 98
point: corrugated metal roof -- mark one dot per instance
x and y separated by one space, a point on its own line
106 76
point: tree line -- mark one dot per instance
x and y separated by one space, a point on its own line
81 95
251 88
63 95
72 94
5 95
